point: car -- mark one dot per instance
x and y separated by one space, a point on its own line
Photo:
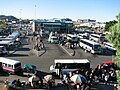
29 70
53 39
3 50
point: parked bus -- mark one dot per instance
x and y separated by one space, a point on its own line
82 36
109 47
11 66
90 46
97 38
62 66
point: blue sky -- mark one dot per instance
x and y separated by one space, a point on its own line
100 10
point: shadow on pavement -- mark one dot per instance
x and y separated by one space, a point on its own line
17 55
4 73
41 74
23 49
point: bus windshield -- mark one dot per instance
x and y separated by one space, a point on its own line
97 47
102 38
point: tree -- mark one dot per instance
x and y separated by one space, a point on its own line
109 24
114 37
3 25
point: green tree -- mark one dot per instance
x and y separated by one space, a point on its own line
109 24
3 25
114 36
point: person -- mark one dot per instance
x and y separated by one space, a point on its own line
6 84
50 80
18 83
106 78
13 82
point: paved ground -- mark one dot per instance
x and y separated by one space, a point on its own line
46 58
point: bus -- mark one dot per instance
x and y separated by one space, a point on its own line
62 66
72 38
82 36
109 47
97 38
90 46
11 66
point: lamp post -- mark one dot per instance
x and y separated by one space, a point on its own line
35 12
20 19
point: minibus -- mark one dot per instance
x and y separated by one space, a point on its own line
10 65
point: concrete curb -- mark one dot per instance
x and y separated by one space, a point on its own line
38 53
71 52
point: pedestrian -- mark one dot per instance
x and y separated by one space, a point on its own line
6 84
106 78
18 83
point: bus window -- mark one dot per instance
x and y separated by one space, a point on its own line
97 47
58 65
4 64
10 66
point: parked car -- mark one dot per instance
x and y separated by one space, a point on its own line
29 70
53 39
3 50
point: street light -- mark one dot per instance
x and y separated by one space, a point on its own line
20 19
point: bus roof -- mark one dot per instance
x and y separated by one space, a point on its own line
8 61
92 42
15 33
5 42
96 35
71 35
72 61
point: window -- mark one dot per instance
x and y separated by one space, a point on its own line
17 65
4 64
10 66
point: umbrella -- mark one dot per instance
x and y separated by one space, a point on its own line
78 78
48 77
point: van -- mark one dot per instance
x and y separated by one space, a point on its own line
62 66
10 65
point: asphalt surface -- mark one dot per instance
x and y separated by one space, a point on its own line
47 56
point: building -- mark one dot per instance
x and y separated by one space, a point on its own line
89 23
53 25
85 20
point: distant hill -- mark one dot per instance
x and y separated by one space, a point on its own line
8 18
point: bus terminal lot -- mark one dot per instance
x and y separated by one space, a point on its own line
53 51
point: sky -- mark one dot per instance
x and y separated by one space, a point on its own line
100 10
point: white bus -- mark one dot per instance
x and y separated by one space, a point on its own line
72 38
62 66
109 47
97 38
10 65
90 46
